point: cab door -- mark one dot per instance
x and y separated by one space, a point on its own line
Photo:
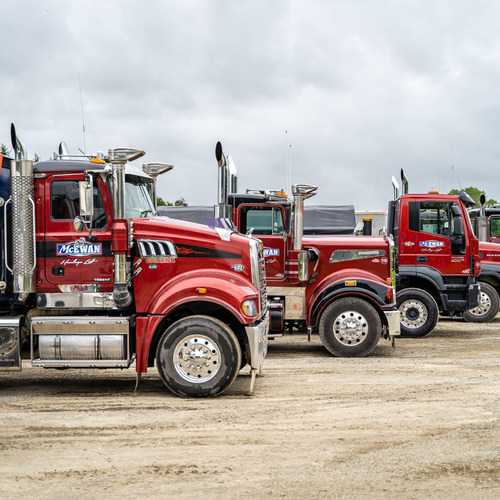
440 240
267 224
77 261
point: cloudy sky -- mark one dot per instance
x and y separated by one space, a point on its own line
341 93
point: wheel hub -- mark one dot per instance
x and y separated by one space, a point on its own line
413 313
350 328
197 358
484 305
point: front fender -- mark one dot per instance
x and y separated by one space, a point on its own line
223 288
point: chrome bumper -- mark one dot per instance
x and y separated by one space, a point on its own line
257 342
393 321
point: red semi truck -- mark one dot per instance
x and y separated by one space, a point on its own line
437 257
91 277
339 286
486 224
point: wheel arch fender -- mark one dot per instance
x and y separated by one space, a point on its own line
364 289
425 278
150 328
224 289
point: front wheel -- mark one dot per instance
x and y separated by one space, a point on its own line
350 327
198 356
487 308
419 312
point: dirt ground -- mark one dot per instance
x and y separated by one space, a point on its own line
418 422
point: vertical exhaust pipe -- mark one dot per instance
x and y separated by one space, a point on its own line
119 245
228 177
395 187
404 182
23 220
483 223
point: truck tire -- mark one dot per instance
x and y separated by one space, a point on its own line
350 327
419 312
198 356
487 308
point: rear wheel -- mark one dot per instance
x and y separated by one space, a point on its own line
198 356
487 308
419 312
350 327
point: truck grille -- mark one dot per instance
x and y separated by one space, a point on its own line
262 280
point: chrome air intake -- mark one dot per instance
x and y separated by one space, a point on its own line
23 219
301 192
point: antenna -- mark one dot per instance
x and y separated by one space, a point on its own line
83 117
288 162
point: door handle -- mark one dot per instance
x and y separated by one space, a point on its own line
421 258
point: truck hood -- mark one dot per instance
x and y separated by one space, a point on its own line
181 231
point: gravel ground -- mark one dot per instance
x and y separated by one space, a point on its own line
417 422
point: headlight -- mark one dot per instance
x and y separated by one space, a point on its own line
249 308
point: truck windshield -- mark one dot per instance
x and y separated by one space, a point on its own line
138 202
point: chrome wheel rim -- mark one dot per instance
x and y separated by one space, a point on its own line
413 313
350 328
483 307
197 358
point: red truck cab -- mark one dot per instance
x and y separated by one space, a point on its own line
437 258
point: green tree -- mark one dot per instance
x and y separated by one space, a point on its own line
475 194
181 202
4 150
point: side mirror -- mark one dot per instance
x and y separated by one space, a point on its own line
458 227
78 224
87 200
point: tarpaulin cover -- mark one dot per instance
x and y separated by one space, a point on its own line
329 219
197 214
318 219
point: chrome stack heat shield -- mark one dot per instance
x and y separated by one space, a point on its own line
23 220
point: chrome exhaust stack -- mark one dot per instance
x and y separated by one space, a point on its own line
395 186
404 182
482 233
23 220
120 236
228 182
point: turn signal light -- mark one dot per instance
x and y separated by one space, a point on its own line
350 283
201 291
249 308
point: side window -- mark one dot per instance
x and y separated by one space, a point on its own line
65 203
263 220
434 218
64 200
495 226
